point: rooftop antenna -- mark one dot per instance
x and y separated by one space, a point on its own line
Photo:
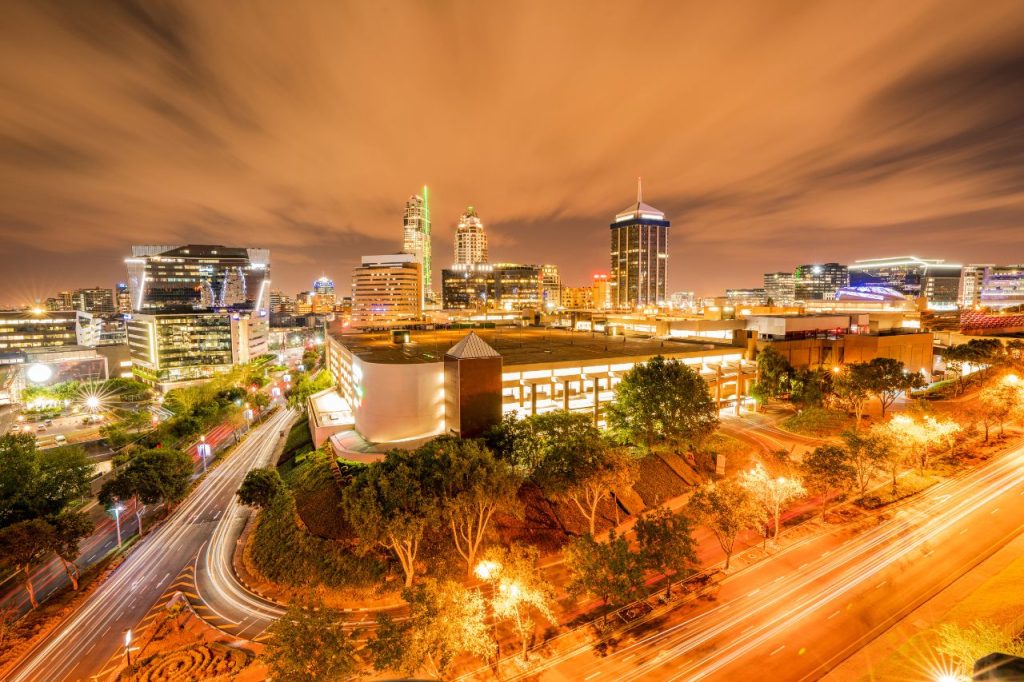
639 190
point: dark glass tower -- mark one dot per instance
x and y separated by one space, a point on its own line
639 255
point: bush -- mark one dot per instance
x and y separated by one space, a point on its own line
287 554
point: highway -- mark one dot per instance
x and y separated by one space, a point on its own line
798 614
89 642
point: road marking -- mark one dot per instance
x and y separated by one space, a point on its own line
929 552
994 510
825 554
963 531
777 650
834 615
751 594
632 655
780 578
592 675
802 567
163 579
881 585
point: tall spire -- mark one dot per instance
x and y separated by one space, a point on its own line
639 190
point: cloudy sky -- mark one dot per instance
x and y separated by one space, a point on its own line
771 133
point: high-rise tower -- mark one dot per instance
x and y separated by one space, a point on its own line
470 239
416 236
639 255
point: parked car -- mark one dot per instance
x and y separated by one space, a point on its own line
60 439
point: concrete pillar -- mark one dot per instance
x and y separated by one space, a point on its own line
718 386
739 389
565 395
522 395
533 398
596 399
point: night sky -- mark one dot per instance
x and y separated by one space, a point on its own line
771 133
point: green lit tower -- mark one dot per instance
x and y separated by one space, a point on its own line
416 236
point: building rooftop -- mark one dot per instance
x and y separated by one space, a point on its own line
519 346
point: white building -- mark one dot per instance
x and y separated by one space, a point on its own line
387 291
470 239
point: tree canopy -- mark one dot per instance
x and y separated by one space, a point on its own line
309 645
827 471
38 483
663 400
727 509
260 487
666 544
608 570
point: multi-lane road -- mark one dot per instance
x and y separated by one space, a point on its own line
88 643
797 615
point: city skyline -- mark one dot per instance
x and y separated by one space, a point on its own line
217 136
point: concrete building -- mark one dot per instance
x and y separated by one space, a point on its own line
95 300
578 298
639 256
405 392
387 292
683 300
1002 286
552 286
416 237
819 281
972 277
935 280
171 348
470 239
601 291
323 296
780 288
36 328
749 297
505 286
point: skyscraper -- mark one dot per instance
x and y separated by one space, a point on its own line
470 239
552 286
819 282
323 296
639 255
780 288
416 236
387 292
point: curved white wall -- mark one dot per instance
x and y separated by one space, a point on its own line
398 401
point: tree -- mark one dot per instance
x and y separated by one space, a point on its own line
666 544
886 448
827 470
887 379
70 528
984 353
772 494
471 486
774 373
727 509
810 387
586 475
22 546
520 592
310 644
865 459
260 487
956 358
307 385
999 401
445 620
525 444
851 393
150 477
607 570
64 476
966 644
663 400
387 504
39 483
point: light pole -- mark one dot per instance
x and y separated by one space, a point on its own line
128 647
118 508
202 448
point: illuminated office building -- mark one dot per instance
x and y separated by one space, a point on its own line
387 291
639 255
508 286
780 288
416 237
819 281
198 277
552 282
936 280
323 296
470 239
36 328
1003 286
96 300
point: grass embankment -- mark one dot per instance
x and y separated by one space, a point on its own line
302 539
818 422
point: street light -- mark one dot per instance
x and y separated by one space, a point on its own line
487 569
128 646
92 402
118 508
1011 380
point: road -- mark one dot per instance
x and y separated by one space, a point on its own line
800 613
89 642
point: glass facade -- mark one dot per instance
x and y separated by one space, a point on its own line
819 282
198 277
25 329
501 285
